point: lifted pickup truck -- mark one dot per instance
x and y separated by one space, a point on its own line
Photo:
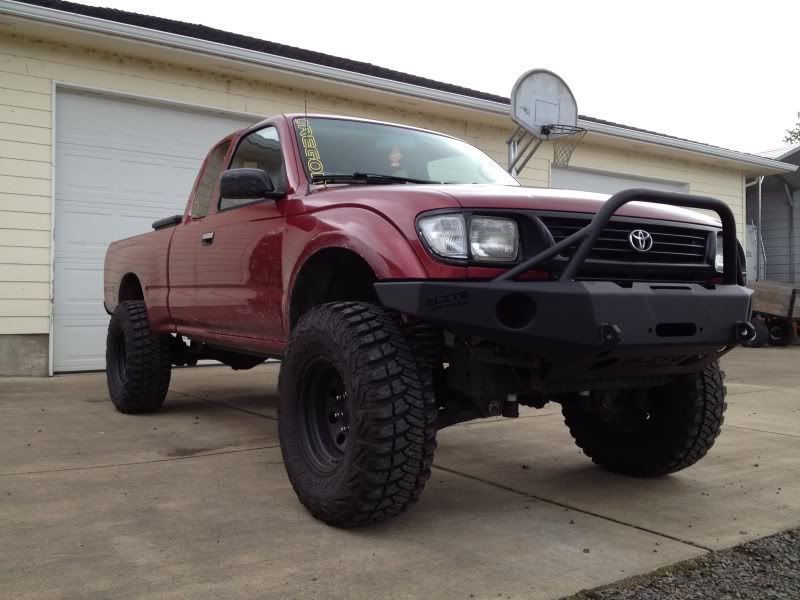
407 282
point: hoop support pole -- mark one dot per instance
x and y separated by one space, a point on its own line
514 135
518 154
530 154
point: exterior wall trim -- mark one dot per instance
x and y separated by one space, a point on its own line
51 328
185 43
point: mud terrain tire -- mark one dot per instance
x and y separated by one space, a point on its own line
356 414
650 432
138 363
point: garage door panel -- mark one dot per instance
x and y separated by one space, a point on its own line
120 165
75 286
84 172
608 183
79 344
155 180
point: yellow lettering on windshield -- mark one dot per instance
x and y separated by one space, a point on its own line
310 150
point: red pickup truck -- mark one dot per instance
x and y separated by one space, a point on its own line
407 283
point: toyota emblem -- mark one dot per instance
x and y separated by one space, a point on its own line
640 240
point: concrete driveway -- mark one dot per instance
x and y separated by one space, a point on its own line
193 502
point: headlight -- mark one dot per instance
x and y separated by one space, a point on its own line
719 263
493 239
446 235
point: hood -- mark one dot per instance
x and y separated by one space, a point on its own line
397 201
495 196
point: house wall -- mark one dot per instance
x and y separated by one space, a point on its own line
775 232
29 67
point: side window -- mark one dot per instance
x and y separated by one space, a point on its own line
208 179
259 150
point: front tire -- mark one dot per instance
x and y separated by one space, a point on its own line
138 365
650 431
356 415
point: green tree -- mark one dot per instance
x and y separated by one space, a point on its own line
793 134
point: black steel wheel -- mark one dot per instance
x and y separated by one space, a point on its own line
356 414
138 365
325 419
648 432
781 331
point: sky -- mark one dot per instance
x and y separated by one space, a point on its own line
718 72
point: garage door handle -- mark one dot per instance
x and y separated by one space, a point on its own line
207 238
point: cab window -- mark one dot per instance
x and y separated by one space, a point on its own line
208 179
259 150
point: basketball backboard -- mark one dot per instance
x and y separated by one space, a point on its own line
544 108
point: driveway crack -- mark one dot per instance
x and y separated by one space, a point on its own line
575 508
794 435
143 462
244 410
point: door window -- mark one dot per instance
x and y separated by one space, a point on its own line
259 150
208 180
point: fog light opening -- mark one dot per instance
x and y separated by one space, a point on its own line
515 311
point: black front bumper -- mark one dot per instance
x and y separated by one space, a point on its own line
586 328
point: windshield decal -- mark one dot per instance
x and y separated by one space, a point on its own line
395 156
313 159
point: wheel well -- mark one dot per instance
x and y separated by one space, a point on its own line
328 276
130 288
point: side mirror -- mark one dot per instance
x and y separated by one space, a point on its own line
167 222
247 184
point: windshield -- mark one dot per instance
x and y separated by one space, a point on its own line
344 147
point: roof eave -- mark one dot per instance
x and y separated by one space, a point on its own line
761 165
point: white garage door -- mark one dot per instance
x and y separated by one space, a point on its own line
120 165
608 183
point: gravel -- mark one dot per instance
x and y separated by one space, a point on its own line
766 569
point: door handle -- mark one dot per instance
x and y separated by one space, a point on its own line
207 238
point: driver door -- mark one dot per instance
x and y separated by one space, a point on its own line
239 256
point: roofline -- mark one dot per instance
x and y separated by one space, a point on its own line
186 43
788 153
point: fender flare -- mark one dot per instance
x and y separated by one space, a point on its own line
363 232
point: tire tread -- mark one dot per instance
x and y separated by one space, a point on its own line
395 445
688 433
149 366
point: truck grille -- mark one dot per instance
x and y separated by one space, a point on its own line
671 244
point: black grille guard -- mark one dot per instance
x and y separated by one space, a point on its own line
588 235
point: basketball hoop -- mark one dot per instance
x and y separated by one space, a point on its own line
544 108
565 139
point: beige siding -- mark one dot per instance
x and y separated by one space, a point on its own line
702 179
29 67
25 168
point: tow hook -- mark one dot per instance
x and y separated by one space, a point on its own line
609 334
744 331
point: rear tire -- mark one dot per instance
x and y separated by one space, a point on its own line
650 431
356 415
761 335
138 365
781 331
